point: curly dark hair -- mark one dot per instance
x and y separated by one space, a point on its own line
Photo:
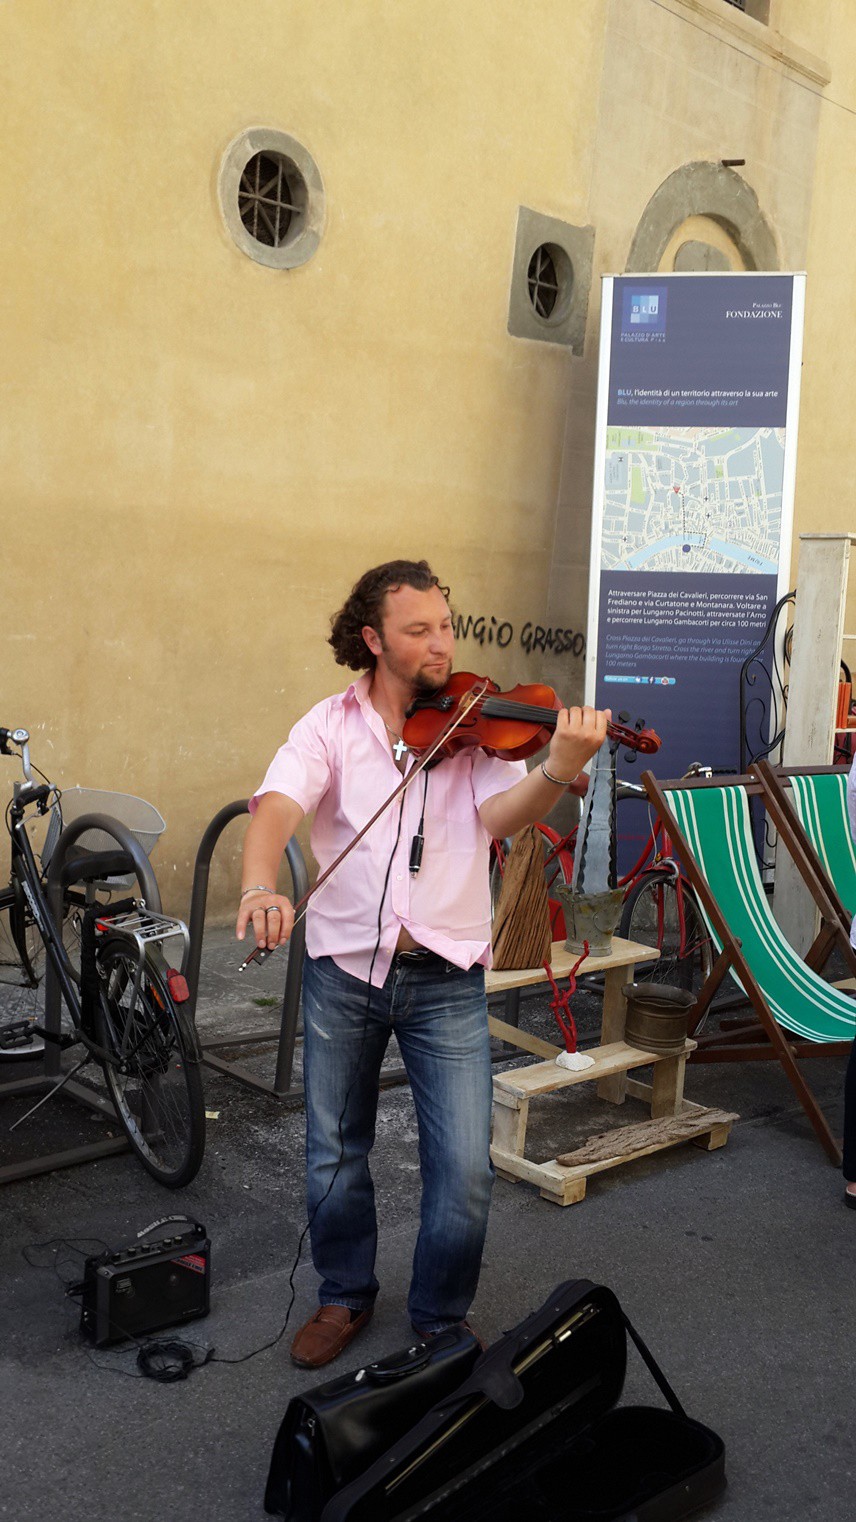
364 607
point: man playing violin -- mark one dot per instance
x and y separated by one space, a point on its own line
392 950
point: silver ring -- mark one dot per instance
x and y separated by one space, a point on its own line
271 908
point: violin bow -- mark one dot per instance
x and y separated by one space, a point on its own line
467 701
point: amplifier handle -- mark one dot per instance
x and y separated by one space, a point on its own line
164 1220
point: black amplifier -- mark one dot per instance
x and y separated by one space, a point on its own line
148 1285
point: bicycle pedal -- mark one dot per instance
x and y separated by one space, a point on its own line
17 1036
62 1039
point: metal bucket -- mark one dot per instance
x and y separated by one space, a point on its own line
591 917
657 1017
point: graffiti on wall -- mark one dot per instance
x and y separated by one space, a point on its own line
487 629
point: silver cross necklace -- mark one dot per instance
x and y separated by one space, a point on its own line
402 748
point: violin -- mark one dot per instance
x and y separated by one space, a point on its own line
511 725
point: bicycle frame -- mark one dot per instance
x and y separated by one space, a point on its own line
26 871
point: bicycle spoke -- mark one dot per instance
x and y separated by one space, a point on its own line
661 911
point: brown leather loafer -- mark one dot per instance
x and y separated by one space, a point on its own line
326 1335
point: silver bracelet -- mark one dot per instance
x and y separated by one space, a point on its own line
557 780
259 888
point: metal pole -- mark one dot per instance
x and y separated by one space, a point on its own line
296 946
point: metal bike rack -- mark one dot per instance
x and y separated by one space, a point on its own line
286 1035
51 1076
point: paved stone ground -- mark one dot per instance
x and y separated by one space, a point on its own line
737 1267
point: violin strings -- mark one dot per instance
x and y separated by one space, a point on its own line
533 714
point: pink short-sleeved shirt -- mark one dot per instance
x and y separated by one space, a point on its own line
337 762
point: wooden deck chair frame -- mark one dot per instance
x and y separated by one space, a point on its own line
761 1038
775 782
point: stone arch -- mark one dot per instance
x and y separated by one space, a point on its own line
705 190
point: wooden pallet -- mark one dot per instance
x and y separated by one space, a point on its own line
562 1180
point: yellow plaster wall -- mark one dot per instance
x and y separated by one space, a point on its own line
198 455
825 490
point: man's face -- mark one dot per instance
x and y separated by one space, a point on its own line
416 640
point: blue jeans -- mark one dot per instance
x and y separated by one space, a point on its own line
439 1016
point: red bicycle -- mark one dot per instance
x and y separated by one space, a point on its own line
660 907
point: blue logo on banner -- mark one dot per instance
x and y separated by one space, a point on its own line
644 311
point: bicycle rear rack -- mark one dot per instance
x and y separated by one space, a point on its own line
146 928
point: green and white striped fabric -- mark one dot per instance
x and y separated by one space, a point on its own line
821 805
716 825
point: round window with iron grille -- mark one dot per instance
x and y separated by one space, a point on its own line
549 279
272 198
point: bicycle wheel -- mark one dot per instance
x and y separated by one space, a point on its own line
26 938
499 850
558 872
651 916
23 962
153 1073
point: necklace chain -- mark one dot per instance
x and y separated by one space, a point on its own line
401 748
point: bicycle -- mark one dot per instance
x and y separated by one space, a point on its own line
661 910
122 1000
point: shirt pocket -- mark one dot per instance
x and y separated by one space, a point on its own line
449 798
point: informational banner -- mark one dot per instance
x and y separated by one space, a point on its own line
693 498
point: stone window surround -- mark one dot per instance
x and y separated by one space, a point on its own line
298 248
574 248
710 190
756 37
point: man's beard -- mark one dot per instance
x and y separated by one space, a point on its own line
424 683
427 683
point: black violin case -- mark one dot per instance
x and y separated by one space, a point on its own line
333 1432
535 1433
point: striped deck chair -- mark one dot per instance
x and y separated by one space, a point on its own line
798 1013
818 798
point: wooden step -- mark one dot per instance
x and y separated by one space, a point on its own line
546 1077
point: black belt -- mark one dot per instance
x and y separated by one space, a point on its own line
420 956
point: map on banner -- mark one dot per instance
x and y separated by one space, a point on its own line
693 499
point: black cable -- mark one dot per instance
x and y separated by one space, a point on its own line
56 1243
417 844
167 1360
